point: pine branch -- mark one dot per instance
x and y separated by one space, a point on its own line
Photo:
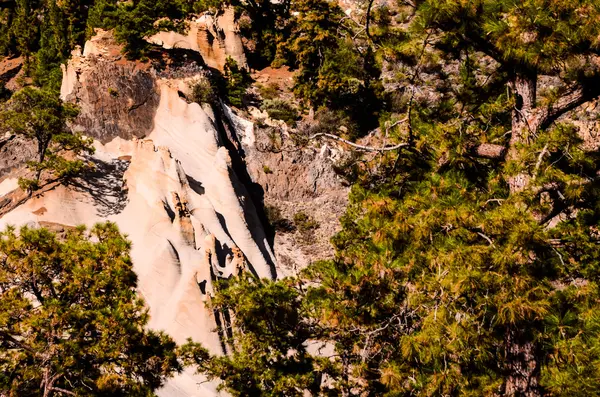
575 97
484 46
12 340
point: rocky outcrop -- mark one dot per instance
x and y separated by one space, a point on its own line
15 151
292 182
179 179
175 192
116 99
215 37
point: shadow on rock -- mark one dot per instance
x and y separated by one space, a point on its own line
105 184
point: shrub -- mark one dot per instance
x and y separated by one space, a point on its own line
304 222
281 110
326 122
269 91
237 82
277 220
201 90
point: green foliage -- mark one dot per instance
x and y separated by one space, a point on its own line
46 31
331 72
25 29
264 24
269 354
140 19
200 6
280 109
449 278
41 116
103 14
62 28
237 81
201 91
71 320
304 222
269 91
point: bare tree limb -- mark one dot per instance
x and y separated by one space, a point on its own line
11 339
575 97
489 151
489 240
539 160
368 20
58 389
357 146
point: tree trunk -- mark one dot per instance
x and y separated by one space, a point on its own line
521 362
522 365
42 148
525 123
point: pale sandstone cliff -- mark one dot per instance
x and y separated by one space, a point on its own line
177 178
213 36
174 194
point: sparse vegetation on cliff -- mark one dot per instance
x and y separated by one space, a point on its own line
237 81
201 90
280 109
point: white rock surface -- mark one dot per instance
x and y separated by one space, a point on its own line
184 211
214 37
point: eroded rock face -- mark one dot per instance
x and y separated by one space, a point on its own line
117 98
291 182
215 37
174 193
15 151
176 178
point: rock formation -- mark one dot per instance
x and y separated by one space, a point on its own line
174 193
213 36
179 179
295 181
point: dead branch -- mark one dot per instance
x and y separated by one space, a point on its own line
61 390
489 151
368 21
575 97
489 240
357 146
539 160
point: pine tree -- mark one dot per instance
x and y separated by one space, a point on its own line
24 29
140 19
41 116
71 321
266 340
331 71
468 259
